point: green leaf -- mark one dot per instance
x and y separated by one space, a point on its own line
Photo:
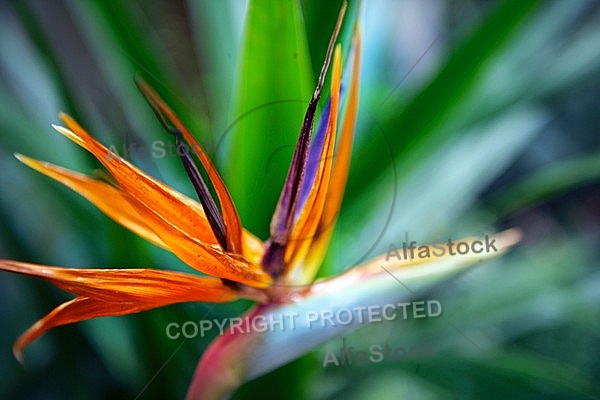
551 181
273 89
453 169
422 118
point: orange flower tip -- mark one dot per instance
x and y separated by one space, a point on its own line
30 162
68 134
18 355
63 116
62 130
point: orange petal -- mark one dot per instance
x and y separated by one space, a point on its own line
104 292
291 197
306 223
186 214
339 176
337 184
252 247
208 259
116 204
230 214
176 219
109 199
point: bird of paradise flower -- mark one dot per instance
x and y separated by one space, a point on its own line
277 274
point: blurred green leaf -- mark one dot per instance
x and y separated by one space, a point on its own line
541 185
422 117
272 92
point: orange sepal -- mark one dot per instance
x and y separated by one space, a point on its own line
176 219
303 271
184 213
230 214
306 224
109 199
341 166
111 292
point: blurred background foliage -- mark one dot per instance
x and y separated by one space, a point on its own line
495 127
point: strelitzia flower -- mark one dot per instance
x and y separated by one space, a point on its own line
279 274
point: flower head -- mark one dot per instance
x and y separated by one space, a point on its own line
209 237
